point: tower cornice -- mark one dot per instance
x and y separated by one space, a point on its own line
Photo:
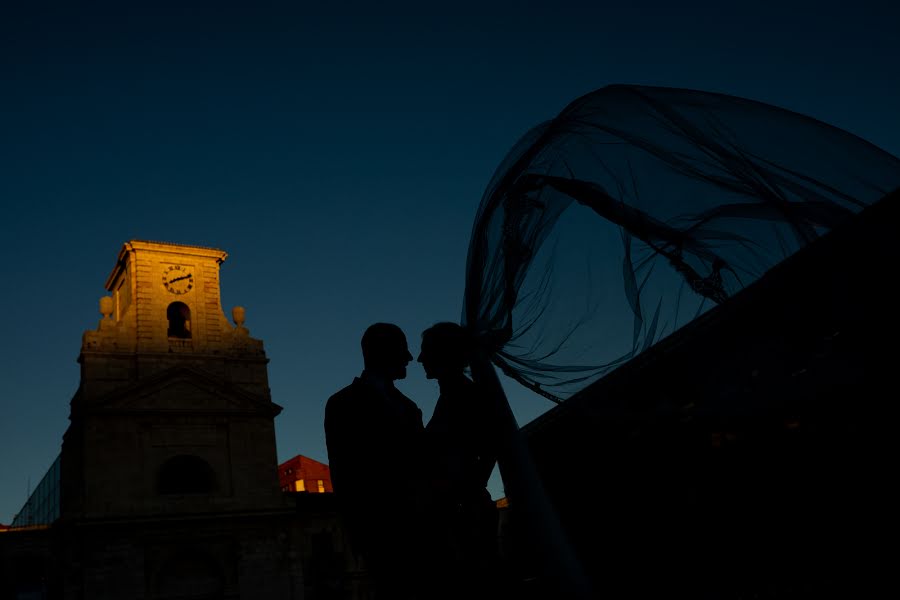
162 248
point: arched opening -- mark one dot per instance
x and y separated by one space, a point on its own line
179 315
186 474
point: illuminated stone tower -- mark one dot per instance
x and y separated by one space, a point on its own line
165 309
172 434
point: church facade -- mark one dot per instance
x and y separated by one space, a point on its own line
168 473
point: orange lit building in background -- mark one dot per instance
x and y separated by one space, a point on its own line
302 474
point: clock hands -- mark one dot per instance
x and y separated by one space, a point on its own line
180 278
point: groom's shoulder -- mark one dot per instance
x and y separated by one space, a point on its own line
347 395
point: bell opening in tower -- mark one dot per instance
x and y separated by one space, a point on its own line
179 315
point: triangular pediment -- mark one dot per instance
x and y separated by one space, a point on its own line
182 389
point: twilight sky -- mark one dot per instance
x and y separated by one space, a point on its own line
337 151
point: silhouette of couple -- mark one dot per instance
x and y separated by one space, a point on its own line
414 498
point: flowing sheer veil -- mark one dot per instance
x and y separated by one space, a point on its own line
638 208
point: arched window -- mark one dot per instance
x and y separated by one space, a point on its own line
186 474
179 316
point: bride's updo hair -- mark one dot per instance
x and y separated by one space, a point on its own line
449 344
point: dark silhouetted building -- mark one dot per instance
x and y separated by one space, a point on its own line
745 456
42 506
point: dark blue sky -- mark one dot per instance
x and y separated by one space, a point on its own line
338 154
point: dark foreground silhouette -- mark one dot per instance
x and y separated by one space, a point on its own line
461 443
374 436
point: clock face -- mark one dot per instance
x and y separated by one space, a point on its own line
178 279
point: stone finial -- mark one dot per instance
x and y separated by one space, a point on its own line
106 307
238 314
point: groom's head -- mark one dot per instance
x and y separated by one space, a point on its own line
385 350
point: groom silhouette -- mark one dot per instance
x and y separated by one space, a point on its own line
374 436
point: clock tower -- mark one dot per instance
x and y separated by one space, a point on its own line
165 310
165 298
169 461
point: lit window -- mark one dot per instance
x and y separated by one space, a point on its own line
299 486
321 486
